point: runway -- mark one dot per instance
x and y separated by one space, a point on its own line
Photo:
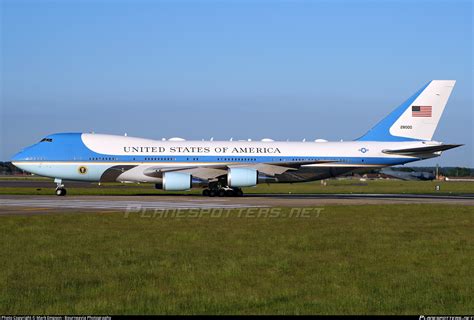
108 203
44 183
11 204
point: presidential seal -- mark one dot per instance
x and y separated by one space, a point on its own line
82 170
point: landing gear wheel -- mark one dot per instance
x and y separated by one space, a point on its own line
206 192
61 192
212 193
229 193
222 193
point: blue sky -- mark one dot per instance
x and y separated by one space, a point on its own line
241 69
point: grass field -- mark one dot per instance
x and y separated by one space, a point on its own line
333 186
415 259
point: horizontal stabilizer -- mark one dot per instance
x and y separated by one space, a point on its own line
422 150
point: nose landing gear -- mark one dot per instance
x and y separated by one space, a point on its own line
60 190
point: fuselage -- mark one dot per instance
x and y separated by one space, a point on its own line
104 158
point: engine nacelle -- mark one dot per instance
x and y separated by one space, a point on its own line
242 177
175 181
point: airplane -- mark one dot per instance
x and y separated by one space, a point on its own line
409 176
223 168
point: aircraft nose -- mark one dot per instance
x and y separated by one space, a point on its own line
25 154
19 156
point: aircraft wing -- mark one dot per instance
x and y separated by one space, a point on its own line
214 171
274 168
422 150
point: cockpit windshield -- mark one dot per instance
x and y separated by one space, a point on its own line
46 140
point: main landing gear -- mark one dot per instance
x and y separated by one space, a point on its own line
222 192
60 190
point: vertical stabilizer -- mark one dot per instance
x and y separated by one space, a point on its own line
415 119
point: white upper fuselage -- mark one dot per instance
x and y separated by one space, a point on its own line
353 152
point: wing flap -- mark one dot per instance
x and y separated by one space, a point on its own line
268 169
204 173
272 169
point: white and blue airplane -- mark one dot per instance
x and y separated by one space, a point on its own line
223 167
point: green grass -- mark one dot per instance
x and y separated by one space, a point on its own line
333 186
25 177
415 259
370 186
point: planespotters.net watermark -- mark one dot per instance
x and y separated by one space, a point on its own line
422 317
252 212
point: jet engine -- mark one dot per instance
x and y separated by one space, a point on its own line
242 177
175 181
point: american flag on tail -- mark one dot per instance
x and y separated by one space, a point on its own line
421 111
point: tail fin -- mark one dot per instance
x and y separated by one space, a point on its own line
415 119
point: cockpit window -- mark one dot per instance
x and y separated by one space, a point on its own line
46 140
